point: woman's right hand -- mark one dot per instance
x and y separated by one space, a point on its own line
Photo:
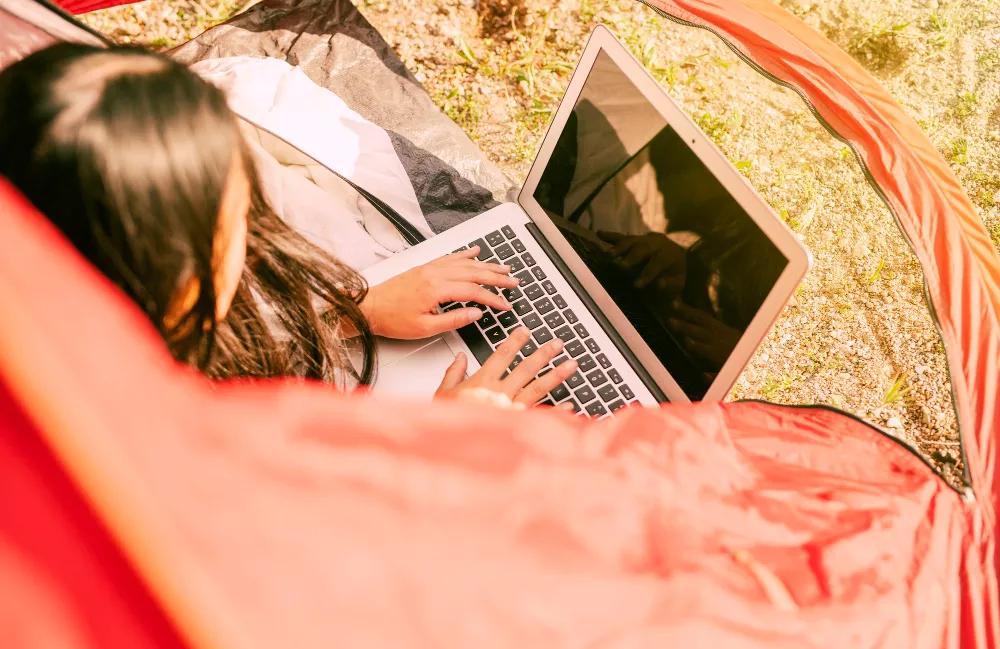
520 386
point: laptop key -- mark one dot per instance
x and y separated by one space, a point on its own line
554 319
486 321
525 278
559 392
575 348
496 335
542 335
515 264
476 342
545 370
616 406
512 294
528 259
453 306
534 292
507 319
587 363
544 305
529 348
584 394
564 334
538 273
518 246
581 330
458 250
532 320
484 250
603 360
508 232
521 307
627 393
492 289
549 287
575 381
596 409
546 402
615 377
514 363
559 302
556 362
597 378
570 316
504 251
494 238
593 346
608 393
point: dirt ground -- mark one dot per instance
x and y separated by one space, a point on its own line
858 334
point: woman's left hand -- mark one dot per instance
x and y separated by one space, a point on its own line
405 306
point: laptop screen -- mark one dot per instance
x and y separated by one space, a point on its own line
682 260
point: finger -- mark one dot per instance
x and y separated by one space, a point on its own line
455 373
636 255
469 292
624 245
701 350
468 253
688 329
497 364
667 270
532 365
566 405
481 276
438 323
537 389
503 269
694 315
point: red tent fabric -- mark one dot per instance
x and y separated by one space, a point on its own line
275 514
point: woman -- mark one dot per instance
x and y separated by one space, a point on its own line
140 164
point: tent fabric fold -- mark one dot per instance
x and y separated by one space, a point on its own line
278 514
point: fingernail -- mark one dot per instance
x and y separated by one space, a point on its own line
572 364
522 329
473 317
507 305
557 344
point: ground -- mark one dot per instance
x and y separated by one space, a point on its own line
858 334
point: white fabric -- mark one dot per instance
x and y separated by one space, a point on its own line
283 101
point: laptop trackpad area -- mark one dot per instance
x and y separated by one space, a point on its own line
411 369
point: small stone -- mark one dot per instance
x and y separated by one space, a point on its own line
925 415
894 422
920 369
420 77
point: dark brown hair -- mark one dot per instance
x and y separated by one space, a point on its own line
128 154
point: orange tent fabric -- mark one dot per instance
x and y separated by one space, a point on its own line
263 515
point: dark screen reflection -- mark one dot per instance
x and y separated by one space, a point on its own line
680 257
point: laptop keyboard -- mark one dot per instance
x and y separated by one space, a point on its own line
597 388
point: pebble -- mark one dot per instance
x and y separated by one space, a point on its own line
894 422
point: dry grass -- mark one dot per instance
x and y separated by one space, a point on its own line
858 334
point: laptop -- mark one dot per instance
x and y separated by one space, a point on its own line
625 187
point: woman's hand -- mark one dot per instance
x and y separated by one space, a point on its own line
653 258
520 386
405 306
704 336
